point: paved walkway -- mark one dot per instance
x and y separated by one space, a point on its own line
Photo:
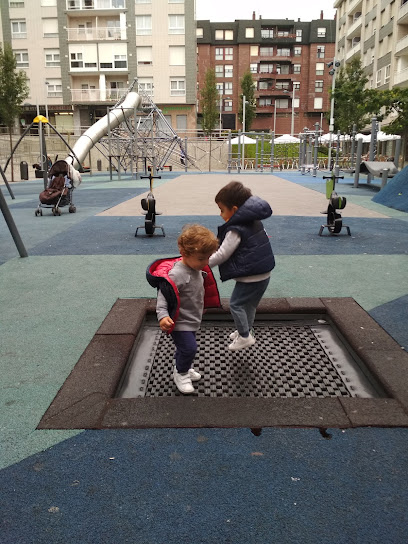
188 485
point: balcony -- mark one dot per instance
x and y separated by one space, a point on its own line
76 5
273 92
355 28
87 96
401 78
402 16
96 34
356 50
401 47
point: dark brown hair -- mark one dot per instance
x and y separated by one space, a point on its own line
196 239
233 194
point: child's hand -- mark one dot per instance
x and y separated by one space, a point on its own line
166 323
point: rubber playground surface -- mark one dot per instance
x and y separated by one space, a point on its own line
195 485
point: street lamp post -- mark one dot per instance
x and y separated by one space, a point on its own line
244 102
333 65
292 123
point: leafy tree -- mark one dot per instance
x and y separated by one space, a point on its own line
209 109
353 103
13 91
397 107
247 87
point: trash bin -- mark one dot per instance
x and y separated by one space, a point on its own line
23 170
99 165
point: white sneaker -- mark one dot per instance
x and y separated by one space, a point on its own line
242 343
234 334
194 375
183 382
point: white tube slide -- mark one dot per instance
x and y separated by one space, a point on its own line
97 131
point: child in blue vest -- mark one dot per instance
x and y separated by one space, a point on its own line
186 286
245 255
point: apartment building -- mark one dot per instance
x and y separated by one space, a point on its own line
80 56
288 60
377 32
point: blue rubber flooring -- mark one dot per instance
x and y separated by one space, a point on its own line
289 236
206 486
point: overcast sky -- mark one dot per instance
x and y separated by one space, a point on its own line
229 10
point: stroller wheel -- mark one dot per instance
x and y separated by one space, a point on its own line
37 213
72 209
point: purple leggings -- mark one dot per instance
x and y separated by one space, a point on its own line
186 349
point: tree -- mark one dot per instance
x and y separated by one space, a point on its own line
247 87
353 103
13 91
209 109
397 105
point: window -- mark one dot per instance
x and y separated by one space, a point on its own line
227 105
296 103
228 87
296 68
77 60
50 28
21 58
320 51
223 53
387 73
181 122
283 52
228 70
318 103
52 57
296 85
220 88
143 25
224 34
18 29
266 68
298 35
249 32
319 68
266 33
297 51
177 55
16 4
281 103
254 51
282 68
144 55
281 85
177 87
318 86
253 68
321 32
120 61
283 33
265 101
54 88
219 70
379 77
146 85
266 51
199 32
176 24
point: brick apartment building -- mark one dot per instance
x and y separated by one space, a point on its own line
288 61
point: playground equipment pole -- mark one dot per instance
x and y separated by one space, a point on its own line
333 65
10 223
358 161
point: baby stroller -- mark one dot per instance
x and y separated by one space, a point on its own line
63 179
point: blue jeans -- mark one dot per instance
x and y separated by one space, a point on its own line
244 301
186 349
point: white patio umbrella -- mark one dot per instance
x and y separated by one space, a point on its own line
244 139
287 139
383 137
365 137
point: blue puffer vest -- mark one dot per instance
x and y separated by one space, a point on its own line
254 254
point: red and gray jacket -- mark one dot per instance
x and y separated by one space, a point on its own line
157 274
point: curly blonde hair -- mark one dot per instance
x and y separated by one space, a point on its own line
197 239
